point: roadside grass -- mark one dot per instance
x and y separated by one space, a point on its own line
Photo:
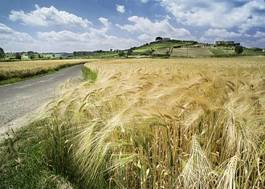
88 74
17 79
23 163
17 71
40 156
152 123
9 81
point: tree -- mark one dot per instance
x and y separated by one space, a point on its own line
159 38
121 53
18 56
129 52
2 53
239 49
30 54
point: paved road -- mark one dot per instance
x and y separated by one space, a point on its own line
19 99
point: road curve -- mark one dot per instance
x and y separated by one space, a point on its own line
19 99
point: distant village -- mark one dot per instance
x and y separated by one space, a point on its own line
30 55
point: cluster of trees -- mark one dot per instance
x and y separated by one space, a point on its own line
239 49
125 53
2 53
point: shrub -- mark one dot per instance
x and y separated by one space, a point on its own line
121 53
2 53
239 49
88 74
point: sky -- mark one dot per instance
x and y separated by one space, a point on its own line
84 25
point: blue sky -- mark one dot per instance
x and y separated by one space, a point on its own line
65 26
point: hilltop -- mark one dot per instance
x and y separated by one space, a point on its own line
185 48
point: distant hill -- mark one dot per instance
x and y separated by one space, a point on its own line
184 48
158 45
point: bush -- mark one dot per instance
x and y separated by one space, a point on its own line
239 49
2 53
121 54
89 74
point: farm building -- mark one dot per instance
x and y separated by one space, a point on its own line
158 39
24 56
226 43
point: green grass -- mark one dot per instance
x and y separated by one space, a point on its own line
222 52
160 49
191 52
17 79
160 45
100 55
9 81
88 74
22 163
40 156
252 52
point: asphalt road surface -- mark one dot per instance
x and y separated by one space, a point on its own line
19 99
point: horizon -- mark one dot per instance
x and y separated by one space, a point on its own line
108 50
55 26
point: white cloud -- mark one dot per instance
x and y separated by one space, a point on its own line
120 8
64 41
148 29
221 33
12 40
48 16
7 34
104 21
259 34
72 41
144 1
242 14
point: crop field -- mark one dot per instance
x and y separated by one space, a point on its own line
24 69
160 123
191 52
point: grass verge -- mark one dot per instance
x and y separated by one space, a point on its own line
17 79
89 74
23 163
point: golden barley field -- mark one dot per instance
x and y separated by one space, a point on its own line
23 69
163 123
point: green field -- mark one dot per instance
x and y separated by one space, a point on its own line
191 52
161 45
175 48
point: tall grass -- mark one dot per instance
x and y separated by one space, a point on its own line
185 123
23 163
89 74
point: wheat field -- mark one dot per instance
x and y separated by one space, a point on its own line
23 69
163 123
